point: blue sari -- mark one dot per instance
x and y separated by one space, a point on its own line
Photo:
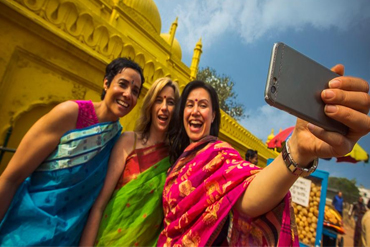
52 205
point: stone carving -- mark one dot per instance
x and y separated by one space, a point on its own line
78 91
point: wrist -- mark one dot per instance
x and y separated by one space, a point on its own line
297 154
293 166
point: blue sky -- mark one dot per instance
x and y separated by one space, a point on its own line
237 38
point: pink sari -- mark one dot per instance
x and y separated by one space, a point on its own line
199 194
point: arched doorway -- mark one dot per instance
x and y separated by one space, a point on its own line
22 124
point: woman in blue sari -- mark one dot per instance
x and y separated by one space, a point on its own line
59 167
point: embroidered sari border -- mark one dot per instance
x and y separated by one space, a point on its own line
80 146
96 128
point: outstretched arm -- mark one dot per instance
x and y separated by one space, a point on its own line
42 138
117 162
347 101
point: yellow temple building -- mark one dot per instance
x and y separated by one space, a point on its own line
56 50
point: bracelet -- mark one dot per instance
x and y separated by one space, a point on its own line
293 167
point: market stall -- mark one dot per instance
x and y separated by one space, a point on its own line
309 197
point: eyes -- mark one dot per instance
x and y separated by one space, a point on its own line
202 104
170 101
135 92
126 84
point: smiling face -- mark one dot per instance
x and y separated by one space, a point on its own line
162 109
122 93
198 114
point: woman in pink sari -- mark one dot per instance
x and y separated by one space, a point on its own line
212 197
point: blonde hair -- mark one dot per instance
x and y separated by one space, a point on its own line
145 119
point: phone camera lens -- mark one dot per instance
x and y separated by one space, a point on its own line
273 89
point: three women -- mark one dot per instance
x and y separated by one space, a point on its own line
210 192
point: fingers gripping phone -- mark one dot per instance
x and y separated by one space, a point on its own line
294 84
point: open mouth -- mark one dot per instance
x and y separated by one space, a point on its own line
195 125
122 103
163 118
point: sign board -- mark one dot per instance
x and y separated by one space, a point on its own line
300 191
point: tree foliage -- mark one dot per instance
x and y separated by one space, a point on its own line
225 89
348 188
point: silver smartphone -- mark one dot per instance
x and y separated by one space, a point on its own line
294 84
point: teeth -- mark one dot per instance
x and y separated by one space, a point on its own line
163 117
195 122
122 103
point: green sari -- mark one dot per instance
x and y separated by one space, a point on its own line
134 215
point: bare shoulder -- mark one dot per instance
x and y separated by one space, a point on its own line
126 141
62 117
67 110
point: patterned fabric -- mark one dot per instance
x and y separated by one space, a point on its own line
51 206
134 215
199 194
140 160
86 114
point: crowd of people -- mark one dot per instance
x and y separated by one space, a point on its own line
75 179
361 216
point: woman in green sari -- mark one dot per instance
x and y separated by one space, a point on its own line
128 210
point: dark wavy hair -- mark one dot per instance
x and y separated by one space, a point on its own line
116 66
179 139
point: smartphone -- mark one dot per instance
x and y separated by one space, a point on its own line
294 84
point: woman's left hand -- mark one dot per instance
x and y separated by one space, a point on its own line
347 101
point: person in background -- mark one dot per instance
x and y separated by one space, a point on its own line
59 167
338 203
365 236
128 211
358 212
251 156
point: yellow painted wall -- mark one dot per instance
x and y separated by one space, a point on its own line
56 50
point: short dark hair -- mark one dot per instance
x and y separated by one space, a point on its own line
250 154
178 137
116 67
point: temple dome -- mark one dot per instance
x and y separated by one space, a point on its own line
270 136
176 48
148 11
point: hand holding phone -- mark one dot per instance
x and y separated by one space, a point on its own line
294 84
